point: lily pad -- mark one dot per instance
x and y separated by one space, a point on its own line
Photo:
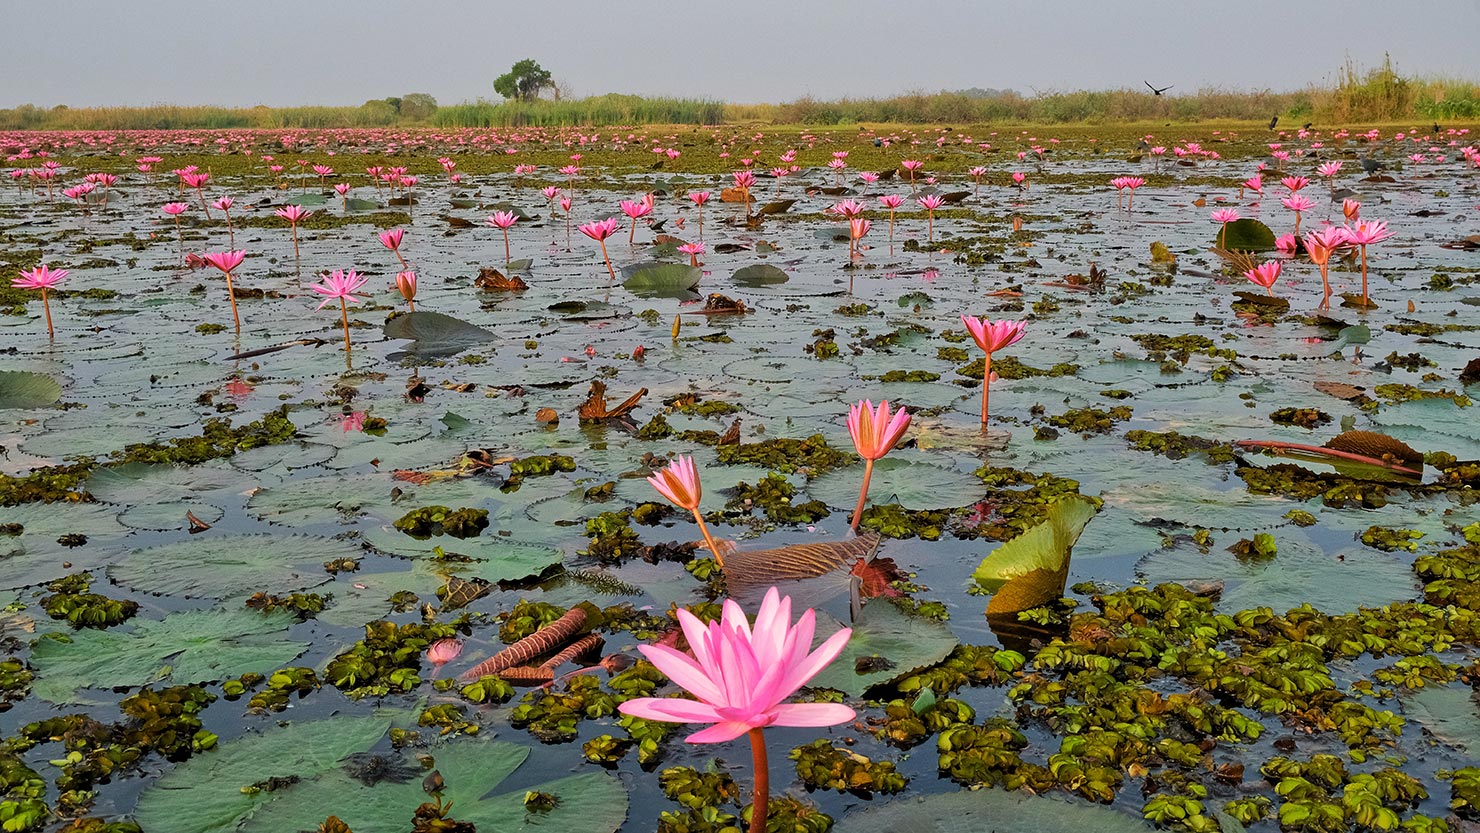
996 810
887 644
195 646
1245 235
219 567
24 389
661 277
910 484
436 334
1031 569
759 274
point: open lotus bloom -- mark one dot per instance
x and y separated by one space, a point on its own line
739 675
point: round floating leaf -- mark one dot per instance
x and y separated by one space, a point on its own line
204 794
36 555
24 389
493 558
1300 572
435 334
160 517
759 274
357 204
912 485
1031 569
1245 235
1450 713
887 643
661 277
195 646
218 567
589 803
135 483
996 810
320 500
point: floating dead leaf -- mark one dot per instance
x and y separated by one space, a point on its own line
416 388
1466 244
731 435
718 304
1471 374
1200 202
457 222
729 248
547 416
1161 254
1363 455
733 195
955 197
459 592
1356 301
875 576
196 524
594 408
775 207
1341 390
492 280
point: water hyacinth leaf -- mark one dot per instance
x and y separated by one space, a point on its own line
24 389
661 277
194 646
1449 713
204 794
1298 573
759 274
912 485
471 770
887 644
1031 569
996 810
436 334
1244 235
218 567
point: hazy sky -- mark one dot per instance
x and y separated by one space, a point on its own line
284 52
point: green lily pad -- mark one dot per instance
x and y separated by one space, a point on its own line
759 274
195 646
661 277
1031 569
218 567
910 484
1450 713
134 483
436 334
904 642
204 794
1300 572
306 200
493 557
1244 235
24 389
992 809
357 204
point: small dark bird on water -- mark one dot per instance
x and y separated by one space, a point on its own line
1273 121
1436 127
1307 125
1155 91
1372 166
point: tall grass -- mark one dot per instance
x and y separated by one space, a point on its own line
1376 95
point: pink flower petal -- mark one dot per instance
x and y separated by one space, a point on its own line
669 710
719 733
811 714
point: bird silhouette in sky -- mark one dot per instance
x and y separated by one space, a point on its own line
1155 91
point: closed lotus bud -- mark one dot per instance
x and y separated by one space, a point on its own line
677 325
406 284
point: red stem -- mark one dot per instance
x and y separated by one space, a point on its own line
868 473
986 387
45 304
344 318
609 268
1277 447
231 293
709 539
761 794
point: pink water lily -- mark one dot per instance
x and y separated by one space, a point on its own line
406 285
1265 274
875 432
679 482
43 277
295 214
1362 234
600 231
340 285
991 336
740 675
227 262
1320 245
930 202
503 221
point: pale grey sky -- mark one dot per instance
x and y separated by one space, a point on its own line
285 52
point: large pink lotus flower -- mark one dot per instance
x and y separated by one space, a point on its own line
874 434
740 675
225 261
503 221
294 214
175 209
600 231
43 277
339 285
991 336
444 651
391 239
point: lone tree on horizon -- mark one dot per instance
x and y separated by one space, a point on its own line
524 81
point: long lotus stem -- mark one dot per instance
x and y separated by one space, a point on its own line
701 222
986 387
1365 302
344 318
179 233
709 539
609 268
46 305
930 226
1297 224
404 264
632 230
1222 234
231 293
761 794
891 232
294 227
231 232
868 473
1325 289
204 207
507 258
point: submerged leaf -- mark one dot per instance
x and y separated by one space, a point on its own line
24 389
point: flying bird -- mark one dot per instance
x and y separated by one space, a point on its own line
1155 91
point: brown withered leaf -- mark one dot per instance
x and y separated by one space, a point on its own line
457 222
732 435
492 280
1341 390
458 593
594 408
775 207
196 524
762 568
717 304
1240 261
875 576
1471 373
547 416
732 195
